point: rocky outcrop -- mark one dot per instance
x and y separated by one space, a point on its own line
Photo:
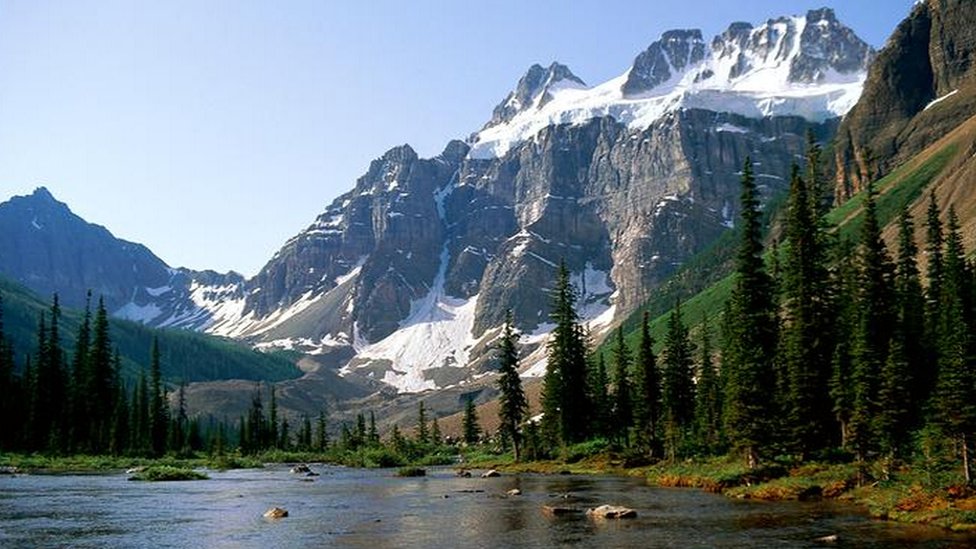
921 86
534 90
611 512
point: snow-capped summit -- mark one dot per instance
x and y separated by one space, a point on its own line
534 90
674 52
810 66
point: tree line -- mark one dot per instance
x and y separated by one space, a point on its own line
827 346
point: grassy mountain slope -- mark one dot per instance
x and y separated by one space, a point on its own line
185 355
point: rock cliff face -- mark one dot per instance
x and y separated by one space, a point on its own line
922 85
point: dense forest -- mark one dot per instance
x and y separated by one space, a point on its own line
826 349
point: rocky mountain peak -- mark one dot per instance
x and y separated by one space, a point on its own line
534 90
676 51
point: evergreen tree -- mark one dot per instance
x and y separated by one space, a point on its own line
708 397
873 329
435 433
360 436
677 389
807 346
844 291
273 435
469 426
602 407
564 385
158 410
623 410
81 401
513 405
373 437
423 435
647 404
100 387
321 431
954 400
10 405
910 329
750 337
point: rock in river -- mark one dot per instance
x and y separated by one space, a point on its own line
611 512
275 513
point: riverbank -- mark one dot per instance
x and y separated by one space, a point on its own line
909 495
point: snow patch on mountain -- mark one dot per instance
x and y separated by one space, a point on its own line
770 70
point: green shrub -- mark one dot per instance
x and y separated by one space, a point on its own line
160 473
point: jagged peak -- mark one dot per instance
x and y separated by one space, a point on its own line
534 90
673 53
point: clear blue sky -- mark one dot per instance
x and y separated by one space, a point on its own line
212 131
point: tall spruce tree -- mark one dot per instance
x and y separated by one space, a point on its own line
806 343
873 329
469 425
10 403
422 432
81 376
513 405
677 389
564 385
708 397
934 243
647 404
623 410
158 409
100 382
601 416
910 327
954 400
750 337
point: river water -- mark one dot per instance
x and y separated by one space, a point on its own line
374 509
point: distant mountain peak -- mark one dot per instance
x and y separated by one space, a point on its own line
534 90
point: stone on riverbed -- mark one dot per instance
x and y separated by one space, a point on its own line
491 474
301 469
611 512
275 513
514 492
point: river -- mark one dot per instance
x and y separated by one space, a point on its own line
374 509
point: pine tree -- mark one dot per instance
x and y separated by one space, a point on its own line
272 430
844 291
910 325
602 407
564 390
373 437
707 397
677 389
954 400
647 404
623 410
10 403
435 433
935 241
423 435
513 405
100 383
807 346
322 434
469 425
750 337
81 401
360 437
872 331
158 410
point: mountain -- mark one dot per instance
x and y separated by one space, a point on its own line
406 278
401 284
921 87
46 247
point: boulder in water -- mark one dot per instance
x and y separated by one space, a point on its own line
275 513
491 473
514 492
611 512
